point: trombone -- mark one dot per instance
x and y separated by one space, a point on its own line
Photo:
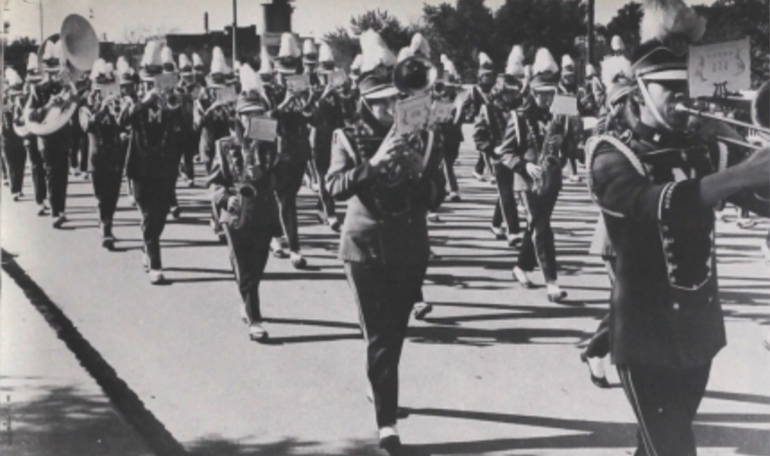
760 114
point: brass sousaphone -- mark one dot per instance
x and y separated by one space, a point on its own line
80 48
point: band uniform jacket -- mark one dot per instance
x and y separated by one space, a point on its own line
665 308
11 141
327 116
105 148
213 125
40 95
230 171
154 142
368 234
471 105
293 129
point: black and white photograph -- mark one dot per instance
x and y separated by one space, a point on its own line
385 228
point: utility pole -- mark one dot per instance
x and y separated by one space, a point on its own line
590 40
235 27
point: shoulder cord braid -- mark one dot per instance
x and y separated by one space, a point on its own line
592 143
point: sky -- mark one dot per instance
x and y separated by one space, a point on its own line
311 17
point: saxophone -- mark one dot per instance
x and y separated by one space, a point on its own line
550 179
244 165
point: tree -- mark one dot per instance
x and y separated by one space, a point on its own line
553 24
626 24
17 51
460 32
346 46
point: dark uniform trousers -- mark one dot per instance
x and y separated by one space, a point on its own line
38 173
107 191
153 196
249 250
665 401
384 294
288 180
15 159
506 202
56 158
321 158
599 344
538 245
78 148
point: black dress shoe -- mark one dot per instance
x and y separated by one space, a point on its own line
391 444
600 382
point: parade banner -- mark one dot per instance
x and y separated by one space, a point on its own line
263 129
412 114
298 83
226 94
565 105
715 69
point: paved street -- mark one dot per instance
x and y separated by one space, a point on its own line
494 370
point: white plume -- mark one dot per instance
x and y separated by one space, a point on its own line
544 63
151 54
289 46
664 18
515 65
218 62
250 80
375 52
615 68
420 45
12 78
325 53
266 62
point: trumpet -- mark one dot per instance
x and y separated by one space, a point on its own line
760 113
414 75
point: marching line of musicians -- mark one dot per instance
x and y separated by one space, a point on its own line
656 186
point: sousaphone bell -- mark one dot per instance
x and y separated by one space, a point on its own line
80 49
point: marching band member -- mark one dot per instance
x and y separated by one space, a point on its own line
488 131
349 91
384 242
536 146
292 113
14 155
479 95
175 100
78 137
212 116
54 147
188 93
328 116
310 67
37 166
657 188
616 77
107 156
451 132
568 86
153 157
242 181
592 94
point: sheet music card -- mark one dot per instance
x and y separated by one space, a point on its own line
719 68
412 114
298 83
225 94
263 129
564 105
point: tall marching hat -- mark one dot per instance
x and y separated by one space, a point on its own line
355 66
12 82
185 66
668 27
545 72
485 64
167 60
252 91
33 68
419 46
567 65
309 52
126 74
617 45
617 77
326 59
450 71
219 70
288 54
590 71
101 73
53 55
377 63
151 64
404 54
197 63
265 65
515 64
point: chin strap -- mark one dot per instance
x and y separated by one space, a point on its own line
652 107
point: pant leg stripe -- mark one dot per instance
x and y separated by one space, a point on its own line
648 444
